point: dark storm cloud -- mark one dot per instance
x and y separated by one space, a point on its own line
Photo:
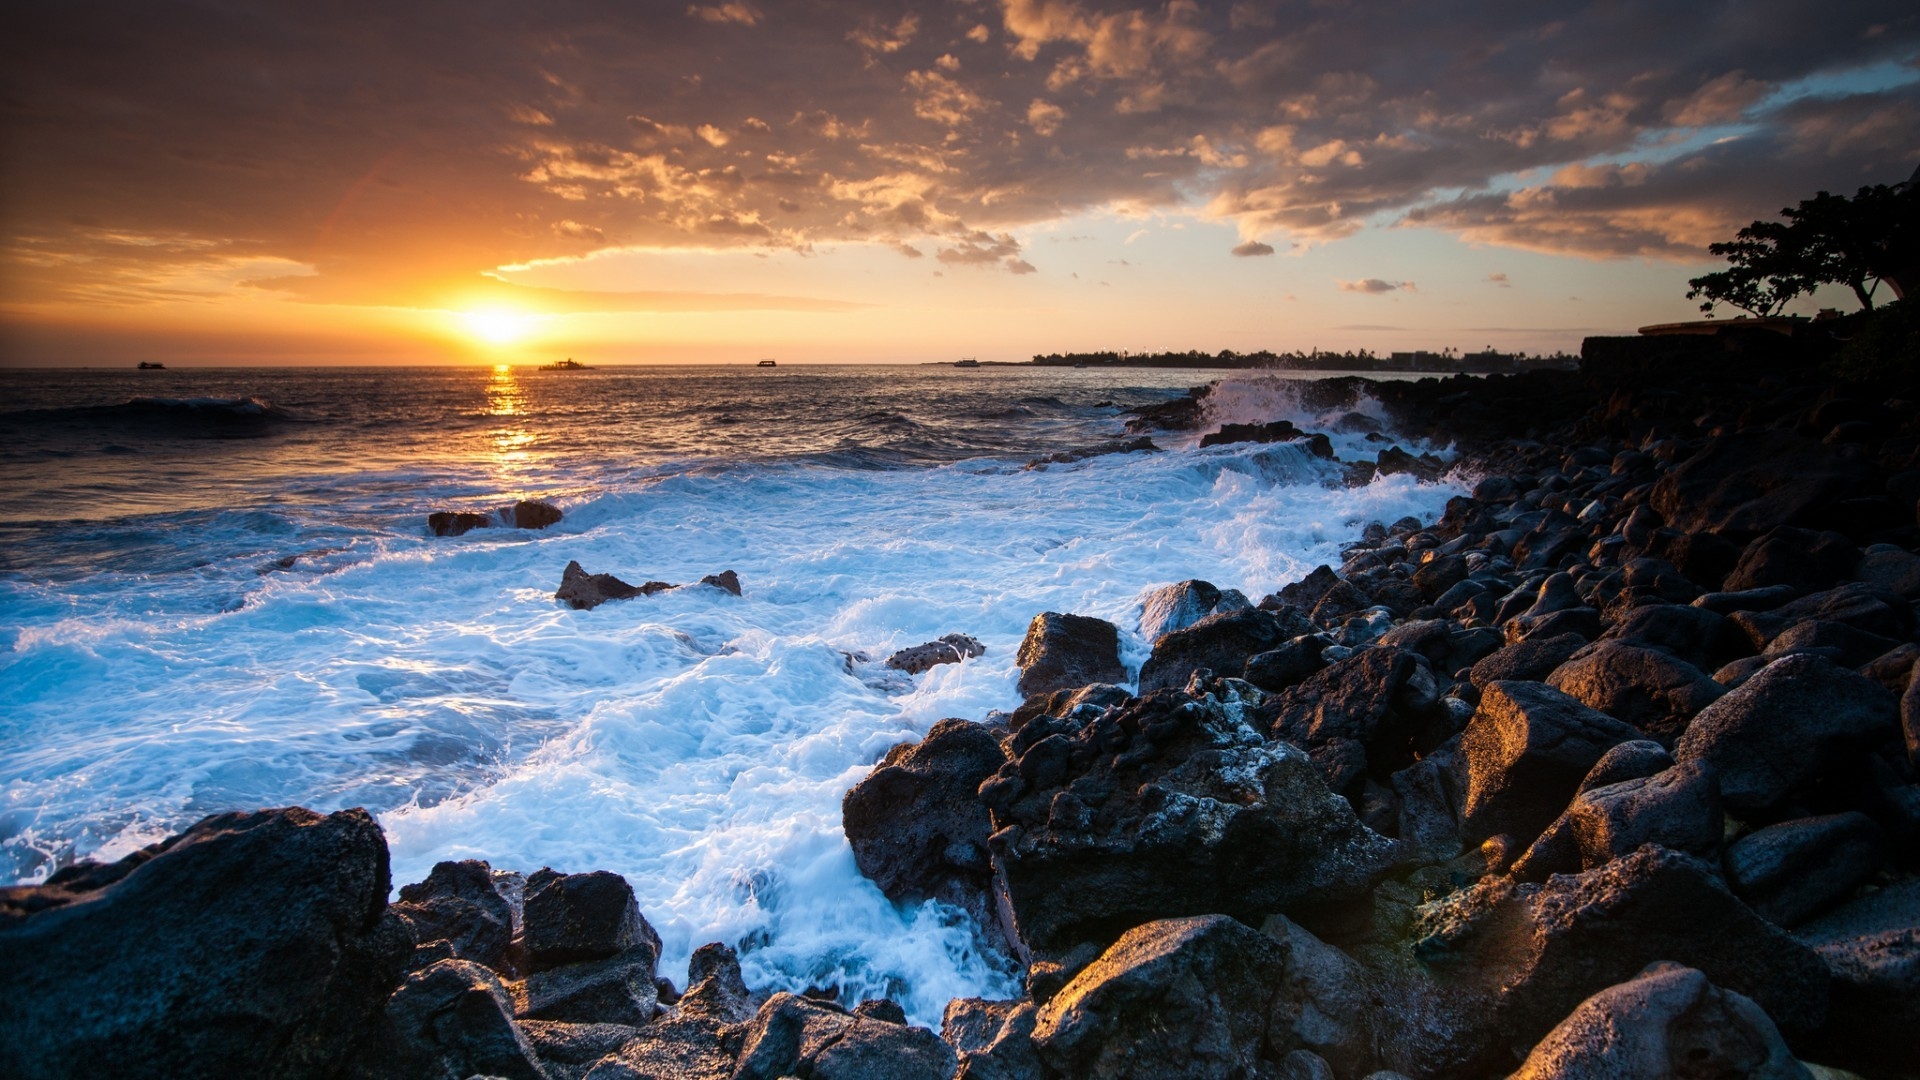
151 147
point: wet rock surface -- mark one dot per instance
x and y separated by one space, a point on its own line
1064 652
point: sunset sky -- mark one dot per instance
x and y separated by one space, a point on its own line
626 181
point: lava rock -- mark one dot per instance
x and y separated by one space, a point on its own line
1369 699
1062 652
572 918
1279 668
1668 1021
728 581
796 1036
1800 558
916 828
1792 723
1653 691
948 649
459 904
1176 607
451 1021
1695 635
1678 808
617 990
1790 871
1221 643
1528 660
252 944
994 1039
531 514
1527 748
583 591
1180 997
457 522
1306 592
1741 485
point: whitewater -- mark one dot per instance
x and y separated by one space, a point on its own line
217 592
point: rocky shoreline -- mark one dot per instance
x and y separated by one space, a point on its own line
1610 771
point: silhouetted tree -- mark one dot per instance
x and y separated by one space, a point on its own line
1825 240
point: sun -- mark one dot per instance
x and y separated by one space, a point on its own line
497 326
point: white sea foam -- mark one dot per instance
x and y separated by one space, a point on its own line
696 742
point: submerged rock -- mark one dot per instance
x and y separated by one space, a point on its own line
948 649
583 591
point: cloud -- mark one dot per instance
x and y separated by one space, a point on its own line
1376 286
474 138
1020 266
1253 247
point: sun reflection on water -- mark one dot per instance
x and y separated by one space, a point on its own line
512 444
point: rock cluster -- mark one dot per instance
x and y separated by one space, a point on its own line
525 514
584 592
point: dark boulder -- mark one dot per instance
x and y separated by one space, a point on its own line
530 514
571 918
948 649
1537 950
457 522
1891 569
714 985
617 990
1791 871
1872 946
1176 607
1062 652
1844 645
1375 699
1854 604
1741 485
253 944
1529 660
1288 664
796 1036
1765 598
568 1051
728 581
916 828
1168 807
1792 723
451 1021
1698 636
583 591
1306 592
459 904
1180 997
1527 748
1668 1021
1655 692
1802 559
1678 808
1221 643
994 1039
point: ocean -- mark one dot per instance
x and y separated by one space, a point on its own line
218 591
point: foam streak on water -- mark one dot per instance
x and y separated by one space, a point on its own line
696 742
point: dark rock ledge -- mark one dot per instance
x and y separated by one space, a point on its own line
1608 772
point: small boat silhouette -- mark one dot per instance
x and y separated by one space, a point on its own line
569 364
966 361
765 363
152 365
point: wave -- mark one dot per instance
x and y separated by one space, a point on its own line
208 417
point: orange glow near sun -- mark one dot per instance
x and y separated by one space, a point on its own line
498 326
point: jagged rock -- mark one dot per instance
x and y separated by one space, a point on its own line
568 1051
1527 749
1168 807
451 1021
1343 600
1176 607
677 1047
1742 484
1790 724
583 591
994 1039
1678 808
457 522
574 918
1528 660
531 514
1801 558
1179 997
795 1036
1306 592
1290 663
948 649
1431 792
1222 643
1093 697
617 990
916 828
1374 699
1655 692
1062 652
251 944
1278 431
1790 871
1872 946
728 581
1854 604
1535 951
714 985
1668 1021
459 904
1696 635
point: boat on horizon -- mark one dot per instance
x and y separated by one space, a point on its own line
966 361
569 364
766 363
152 365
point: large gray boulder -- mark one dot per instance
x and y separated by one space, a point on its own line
1063 652
1792 723
252 944
1178 997
1176 607
916 827
1527 748
1167 807
1668 1021
1678 808
796 1036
